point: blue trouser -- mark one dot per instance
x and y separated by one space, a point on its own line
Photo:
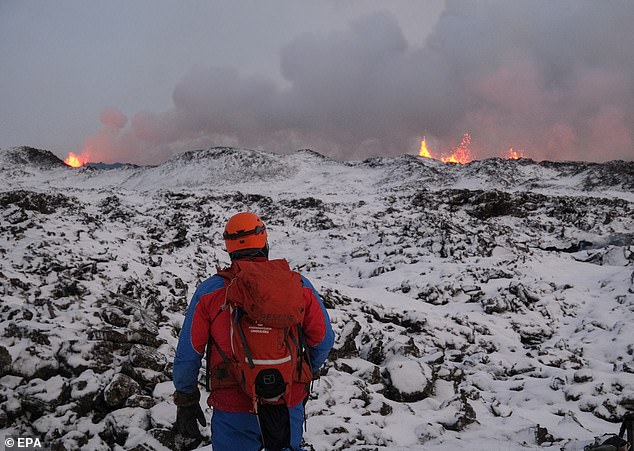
232 431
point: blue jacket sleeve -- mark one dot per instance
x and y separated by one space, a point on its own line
187 360
319 352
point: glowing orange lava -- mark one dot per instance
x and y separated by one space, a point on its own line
514 155
424 152
462 154
76 161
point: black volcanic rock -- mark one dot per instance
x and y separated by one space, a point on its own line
613 174
475 288
120 388
567 168
5 361
29 200
502 171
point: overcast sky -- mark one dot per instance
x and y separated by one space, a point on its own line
141 80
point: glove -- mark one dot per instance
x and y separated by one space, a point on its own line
188 411
186 420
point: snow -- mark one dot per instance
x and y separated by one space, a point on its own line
474 305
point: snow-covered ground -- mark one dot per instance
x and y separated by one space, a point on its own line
484 306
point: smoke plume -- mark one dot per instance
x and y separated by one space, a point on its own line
552 78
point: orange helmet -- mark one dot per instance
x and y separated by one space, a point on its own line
244 231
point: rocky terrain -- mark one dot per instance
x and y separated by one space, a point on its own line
484 306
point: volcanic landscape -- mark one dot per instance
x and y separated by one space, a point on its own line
487 305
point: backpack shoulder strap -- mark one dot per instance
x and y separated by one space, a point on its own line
211 342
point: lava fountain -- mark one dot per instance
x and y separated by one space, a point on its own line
76 161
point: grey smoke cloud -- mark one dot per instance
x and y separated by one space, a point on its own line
554 78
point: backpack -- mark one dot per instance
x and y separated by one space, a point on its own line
266 309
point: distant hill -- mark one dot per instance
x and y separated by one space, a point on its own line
30 156
109 165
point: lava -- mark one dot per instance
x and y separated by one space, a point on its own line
462 154
514 154
76 161
424 152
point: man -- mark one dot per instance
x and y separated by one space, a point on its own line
208 325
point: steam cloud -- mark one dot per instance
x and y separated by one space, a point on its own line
554 78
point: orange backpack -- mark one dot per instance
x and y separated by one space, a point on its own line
266 307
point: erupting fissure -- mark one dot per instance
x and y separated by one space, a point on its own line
76 161
462 154
514 154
